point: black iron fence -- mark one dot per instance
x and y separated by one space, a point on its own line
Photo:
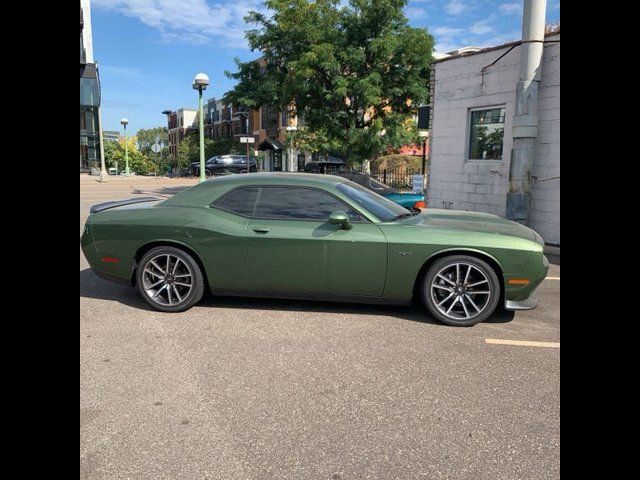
398 178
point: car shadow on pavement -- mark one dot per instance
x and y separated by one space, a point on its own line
92 286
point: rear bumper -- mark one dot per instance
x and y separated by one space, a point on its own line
112 278
526 304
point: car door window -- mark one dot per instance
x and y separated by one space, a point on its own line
239 201
293 203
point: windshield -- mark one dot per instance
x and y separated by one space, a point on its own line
384 209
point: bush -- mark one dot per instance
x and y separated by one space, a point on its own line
397 162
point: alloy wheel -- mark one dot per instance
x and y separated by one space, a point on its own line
460 291
167 280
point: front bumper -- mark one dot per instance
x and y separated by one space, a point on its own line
537 270
526 304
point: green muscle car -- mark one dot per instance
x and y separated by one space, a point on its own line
323 237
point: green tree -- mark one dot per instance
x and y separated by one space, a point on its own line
139 163
188 152
146 138
354 72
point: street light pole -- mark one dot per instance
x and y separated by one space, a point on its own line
200 83
124 123
103 170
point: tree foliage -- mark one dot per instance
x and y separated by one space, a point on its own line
355 72
189 149
146 138
138 161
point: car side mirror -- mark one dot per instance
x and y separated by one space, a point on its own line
340 218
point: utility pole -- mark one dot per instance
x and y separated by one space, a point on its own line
525 120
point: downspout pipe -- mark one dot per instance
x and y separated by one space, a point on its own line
525 119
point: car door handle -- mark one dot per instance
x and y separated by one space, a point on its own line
261 230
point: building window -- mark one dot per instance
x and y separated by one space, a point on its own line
89 92
486 133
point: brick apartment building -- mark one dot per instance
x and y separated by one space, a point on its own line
179 123
267 125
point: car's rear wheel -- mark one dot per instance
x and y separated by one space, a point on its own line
208 173
461 290
169 279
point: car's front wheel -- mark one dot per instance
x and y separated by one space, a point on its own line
169 279
461 290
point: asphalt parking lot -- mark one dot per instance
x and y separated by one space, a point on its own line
275 389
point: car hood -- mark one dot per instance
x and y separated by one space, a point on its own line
473 222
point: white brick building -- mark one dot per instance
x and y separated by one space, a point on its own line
467 171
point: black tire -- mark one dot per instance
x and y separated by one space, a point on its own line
190 266
479 269
208 173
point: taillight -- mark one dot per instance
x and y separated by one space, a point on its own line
110 260
420 204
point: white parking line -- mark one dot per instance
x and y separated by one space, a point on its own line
552 278
522 343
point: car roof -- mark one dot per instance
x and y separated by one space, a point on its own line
202 193
293 178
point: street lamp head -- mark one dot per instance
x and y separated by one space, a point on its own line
124 122
200 81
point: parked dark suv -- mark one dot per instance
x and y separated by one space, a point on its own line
328 165
225 165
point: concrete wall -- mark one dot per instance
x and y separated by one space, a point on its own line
481 185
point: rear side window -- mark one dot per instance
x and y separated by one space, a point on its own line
293 203
239 201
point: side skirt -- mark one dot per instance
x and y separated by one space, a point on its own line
310 296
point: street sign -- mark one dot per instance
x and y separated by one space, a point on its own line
155 148
247 140
418 184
